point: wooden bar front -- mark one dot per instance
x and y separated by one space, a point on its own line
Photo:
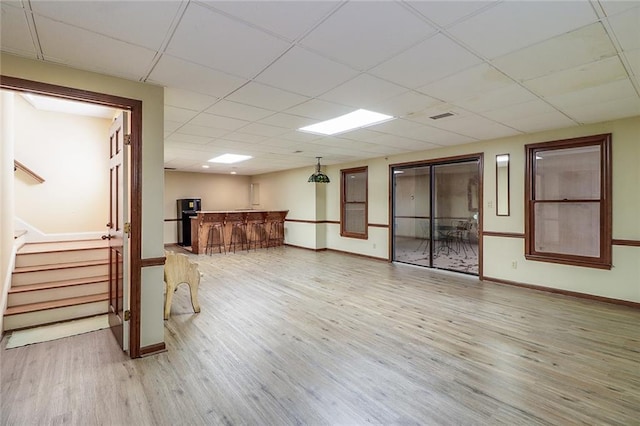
199 230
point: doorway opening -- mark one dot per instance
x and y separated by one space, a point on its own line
135 109
436 214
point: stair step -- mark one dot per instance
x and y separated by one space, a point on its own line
53 304
58 246
57 284
41 292
81 307
52 257
25 275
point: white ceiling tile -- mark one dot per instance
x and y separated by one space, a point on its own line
626 26
364 91
374 38
259 129
494 99
180 115
613 7
144 23
244 137
177 138
14 30
447 12
81 48
618 89
525 109
476 127
514 25
238 110
405 104
278 142
187 99
428 61
403 143
289 19
418 131
584 45
175 72
266 97
594 112
578 78
539 122
171 126
211 39
364 135
633 56
307 73
297 136
478 79
218 122
287 121
444 137
192 129
319 109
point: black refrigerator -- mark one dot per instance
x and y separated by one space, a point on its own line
187 208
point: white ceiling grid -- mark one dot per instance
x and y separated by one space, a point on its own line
243 76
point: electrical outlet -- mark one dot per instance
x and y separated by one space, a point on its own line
374 245
514 264
490 204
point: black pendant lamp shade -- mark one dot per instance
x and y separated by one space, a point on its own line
318 176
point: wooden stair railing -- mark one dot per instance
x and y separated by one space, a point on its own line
19 165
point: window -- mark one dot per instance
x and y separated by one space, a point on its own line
568 194
353 202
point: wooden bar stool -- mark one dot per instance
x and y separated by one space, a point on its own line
215 233
238 224
275 221
256 229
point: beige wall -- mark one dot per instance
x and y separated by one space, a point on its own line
289 190
71 152
217 192
152 97
621 282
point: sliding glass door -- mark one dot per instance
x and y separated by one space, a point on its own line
435 215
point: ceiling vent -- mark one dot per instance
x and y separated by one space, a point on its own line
439 116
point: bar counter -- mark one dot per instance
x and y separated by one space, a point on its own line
199 228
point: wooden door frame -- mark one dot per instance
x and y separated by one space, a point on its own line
135 208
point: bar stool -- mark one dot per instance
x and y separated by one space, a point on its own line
215 233
238 223
275 220
257 231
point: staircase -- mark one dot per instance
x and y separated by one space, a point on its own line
58 281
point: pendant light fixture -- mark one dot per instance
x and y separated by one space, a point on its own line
318 176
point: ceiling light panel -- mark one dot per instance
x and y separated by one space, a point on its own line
229 158
354 120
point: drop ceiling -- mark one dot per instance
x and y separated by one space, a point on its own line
242 76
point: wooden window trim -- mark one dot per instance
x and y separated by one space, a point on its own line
605 201
343 173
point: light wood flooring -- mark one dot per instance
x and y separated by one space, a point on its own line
290 336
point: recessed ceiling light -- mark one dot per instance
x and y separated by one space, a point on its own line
229 158
233 173
354 120
204 166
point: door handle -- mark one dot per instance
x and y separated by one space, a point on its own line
107 237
